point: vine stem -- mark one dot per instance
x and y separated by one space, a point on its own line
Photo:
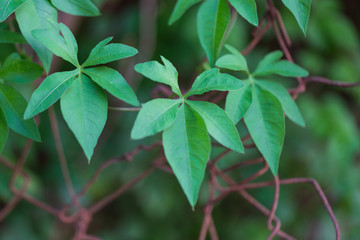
124 109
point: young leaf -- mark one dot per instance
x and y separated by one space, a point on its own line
266 124
84 107
50 90
235 61
218 124
155 116
301 11
159 73
69 40
212 20
103 53
113 82
211 80
270 65
7 7
238 102
247 9
11 37
288 104
77 7
13 105
17 70
36 14
3 131
180 8
187 148
60 46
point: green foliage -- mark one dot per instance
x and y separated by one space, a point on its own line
84 107
7 7
35 14
301 11
83 101
3 131
13 106
11 37
187 149
212 20
17 70
185 128
180 8
77 7
247 9
266 124
262 102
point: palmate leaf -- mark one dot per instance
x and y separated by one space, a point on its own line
18 70
238 102
77 7
36 14
218 124
187 148
301 11
64 47
84 107
157 72
155 116
247 9
49 92
212 20
112 81
7 7
103 53
288 104
3 130
13 105
180 8
214 80
266 124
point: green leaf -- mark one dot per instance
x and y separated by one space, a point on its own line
288 104
266 124
238 102
11 37
211 80
36 14
69 40
84 107
112 81
218 124
180 8
61 46
50 90
235 61
77 7
270 65
246 9
3 130
159 73
103 53
13 105
187 148
301 11
7 7
155 116
20 71
212 20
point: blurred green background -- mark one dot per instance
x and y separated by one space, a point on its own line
328 149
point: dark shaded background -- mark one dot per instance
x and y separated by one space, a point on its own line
328 149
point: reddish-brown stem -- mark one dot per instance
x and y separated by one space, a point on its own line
113 196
